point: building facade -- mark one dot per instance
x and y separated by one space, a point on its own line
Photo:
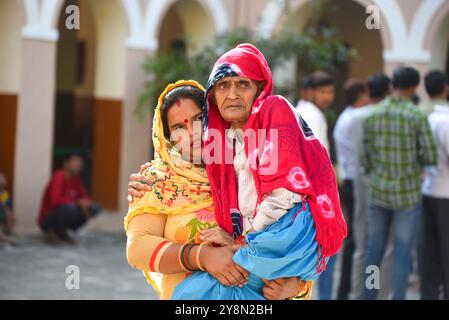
62 87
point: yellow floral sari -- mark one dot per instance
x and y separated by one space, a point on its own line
179 190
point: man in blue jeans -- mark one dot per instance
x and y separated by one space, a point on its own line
397 145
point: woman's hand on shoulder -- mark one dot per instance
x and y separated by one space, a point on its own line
138 183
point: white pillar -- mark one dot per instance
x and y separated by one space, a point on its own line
34 133
136 133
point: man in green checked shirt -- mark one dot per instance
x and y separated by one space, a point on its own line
397 145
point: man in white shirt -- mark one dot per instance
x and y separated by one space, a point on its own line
346 144
379 87
322 95
436 98
434 247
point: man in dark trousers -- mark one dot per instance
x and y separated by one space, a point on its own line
433 255
66 204
397 145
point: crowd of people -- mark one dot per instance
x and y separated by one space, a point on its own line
393 167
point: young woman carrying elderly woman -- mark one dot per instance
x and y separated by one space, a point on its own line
171 207
280 191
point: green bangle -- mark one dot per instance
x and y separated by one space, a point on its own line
181 262
187 257
185 249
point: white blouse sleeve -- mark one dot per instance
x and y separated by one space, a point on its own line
274 207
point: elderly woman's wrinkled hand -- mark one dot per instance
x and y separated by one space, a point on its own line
282 288
216 235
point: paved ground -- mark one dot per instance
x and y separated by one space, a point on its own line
35 270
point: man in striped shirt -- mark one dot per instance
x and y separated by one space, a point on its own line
397 145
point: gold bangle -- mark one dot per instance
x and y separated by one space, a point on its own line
198 257
304 291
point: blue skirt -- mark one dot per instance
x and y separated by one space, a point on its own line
287 248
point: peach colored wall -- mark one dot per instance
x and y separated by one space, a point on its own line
409 8
244 13
437 23
11 20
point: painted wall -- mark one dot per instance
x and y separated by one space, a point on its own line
440 48
11 20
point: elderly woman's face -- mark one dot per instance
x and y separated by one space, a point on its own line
235 97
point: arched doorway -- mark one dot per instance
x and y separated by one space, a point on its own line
11 22
186 26
74 105
347 18
90 81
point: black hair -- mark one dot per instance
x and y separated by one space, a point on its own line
321 79
378 85
435 82
306 82
183 92
72 155
405 78
353 89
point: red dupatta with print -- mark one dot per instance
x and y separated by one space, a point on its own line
281 149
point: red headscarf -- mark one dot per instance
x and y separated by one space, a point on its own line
302 163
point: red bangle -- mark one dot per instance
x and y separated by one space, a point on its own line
239 240
184 258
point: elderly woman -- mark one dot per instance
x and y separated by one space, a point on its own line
280 184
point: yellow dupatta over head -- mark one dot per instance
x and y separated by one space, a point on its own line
176 186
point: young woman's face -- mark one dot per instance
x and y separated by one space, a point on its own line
184 123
